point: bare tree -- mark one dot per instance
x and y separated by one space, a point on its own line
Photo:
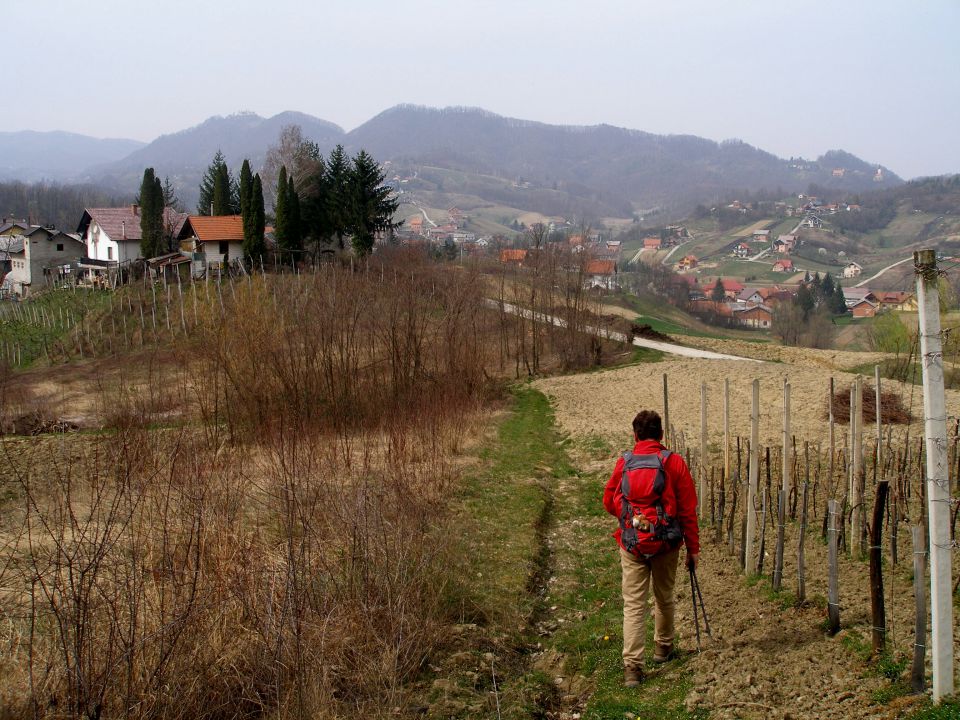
292 150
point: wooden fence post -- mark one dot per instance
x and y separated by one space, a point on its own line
750 563
878 611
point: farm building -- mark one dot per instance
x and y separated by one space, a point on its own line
731 288
756 316
688 262
863 308
852 270
652 243
35 257
784 265
515 257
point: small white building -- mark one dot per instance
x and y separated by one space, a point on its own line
218 237
36 256
852 270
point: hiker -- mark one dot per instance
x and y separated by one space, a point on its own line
660 514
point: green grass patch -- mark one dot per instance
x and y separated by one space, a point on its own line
29 329
946 710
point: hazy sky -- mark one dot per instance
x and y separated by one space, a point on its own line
880 79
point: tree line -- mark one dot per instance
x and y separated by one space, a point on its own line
54 204
318 202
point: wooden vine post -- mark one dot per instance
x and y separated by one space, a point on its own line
784 491
936 483
878 611
920 596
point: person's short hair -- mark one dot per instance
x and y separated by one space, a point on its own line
648 426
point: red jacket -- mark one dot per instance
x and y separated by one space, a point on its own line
679 498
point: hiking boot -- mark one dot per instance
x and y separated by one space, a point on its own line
664 653
632 677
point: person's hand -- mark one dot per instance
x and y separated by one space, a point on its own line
693 559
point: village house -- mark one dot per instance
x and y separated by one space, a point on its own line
852 270
601 274
784 244
513 257
896 300
219 238
863 309
755 316
783 265
854 295
112 235
731 288
36 257
688 262
652 243
761 235
415 224
741 250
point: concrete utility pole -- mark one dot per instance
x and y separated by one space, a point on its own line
938 487
750 509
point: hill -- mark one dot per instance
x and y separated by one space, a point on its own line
30 156
624 171
183 156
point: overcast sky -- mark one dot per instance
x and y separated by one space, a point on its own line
880 79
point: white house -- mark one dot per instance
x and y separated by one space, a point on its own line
852 270
35 257
112 235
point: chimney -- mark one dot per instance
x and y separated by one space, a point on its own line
135 209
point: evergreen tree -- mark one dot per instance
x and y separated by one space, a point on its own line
838 304
338 203
826 287
208 183
719 293
222 192
246 206
151 215
314 215
805 301
170 199
293 216
257 247
371 205
281 213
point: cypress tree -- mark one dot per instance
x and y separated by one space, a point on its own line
246 208
281 222
151 215
222 192
257 245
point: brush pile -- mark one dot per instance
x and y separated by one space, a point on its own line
892 410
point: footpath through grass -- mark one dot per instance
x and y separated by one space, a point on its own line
547 582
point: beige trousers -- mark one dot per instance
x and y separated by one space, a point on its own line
637 575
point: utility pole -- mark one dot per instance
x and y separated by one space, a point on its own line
937 484
750 564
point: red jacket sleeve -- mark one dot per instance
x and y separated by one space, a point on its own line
686 495
613 483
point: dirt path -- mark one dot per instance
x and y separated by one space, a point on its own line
888 267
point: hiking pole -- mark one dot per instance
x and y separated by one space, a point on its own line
696 617
703 609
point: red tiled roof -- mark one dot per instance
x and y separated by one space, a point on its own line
124 222
600 267
513 255
214 228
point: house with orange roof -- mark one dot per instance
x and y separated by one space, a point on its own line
601 274
218 237
688 262
652 243
784 265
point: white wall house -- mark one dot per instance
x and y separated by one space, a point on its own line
112 235
35 257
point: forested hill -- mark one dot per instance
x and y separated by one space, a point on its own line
34 156
626 168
